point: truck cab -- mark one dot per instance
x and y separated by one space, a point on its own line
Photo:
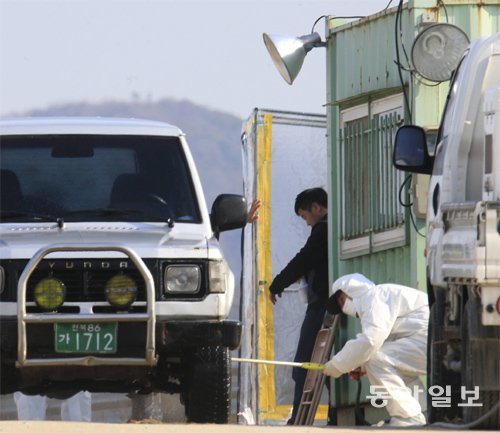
111 275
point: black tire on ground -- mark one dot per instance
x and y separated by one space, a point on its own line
436 350
480 361
437 373
208 399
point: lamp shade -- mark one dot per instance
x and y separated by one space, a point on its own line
437 50
288 52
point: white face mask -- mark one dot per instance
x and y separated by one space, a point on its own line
349 308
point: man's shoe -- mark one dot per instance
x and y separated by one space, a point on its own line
400 422
381 423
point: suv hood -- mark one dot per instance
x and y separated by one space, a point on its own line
148 240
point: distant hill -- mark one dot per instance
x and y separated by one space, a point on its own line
214 139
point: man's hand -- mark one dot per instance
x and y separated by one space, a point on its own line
332 370
273 297
253 212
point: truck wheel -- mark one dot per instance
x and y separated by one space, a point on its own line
480 361
436 350
437 373
208 399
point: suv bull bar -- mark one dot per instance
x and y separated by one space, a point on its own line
23 317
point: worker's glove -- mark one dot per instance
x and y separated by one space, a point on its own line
332 370
357 373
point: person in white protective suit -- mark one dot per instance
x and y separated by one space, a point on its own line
34 407
392 345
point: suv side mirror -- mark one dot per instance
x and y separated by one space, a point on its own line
410 150
229 212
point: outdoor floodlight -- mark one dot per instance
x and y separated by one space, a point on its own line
437 51
288 52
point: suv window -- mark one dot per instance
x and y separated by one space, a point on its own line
96 178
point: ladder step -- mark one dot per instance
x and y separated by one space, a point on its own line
314 381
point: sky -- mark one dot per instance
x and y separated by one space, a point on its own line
208 52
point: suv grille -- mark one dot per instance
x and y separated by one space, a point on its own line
85 279
86 286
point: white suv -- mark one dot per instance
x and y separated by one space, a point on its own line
111 275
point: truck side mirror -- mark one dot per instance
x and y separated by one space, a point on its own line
410 150
229 212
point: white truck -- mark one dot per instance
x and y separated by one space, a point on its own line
111 275
463 237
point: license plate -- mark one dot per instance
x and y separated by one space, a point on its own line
85 337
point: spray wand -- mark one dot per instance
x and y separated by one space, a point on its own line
305 365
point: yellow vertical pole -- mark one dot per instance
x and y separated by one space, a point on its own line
267 396
267 406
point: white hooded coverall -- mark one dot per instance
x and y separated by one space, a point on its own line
34 407
392 345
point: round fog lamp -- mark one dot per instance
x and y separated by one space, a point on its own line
121 291
49 294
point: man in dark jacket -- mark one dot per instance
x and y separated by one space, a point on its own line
311 262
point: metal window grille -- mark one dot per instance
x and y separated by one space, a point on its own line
369 182
356 196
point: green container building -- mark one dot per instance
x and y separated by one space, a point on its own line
368 97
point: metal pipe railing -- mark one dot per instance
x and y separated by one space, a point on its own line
23 317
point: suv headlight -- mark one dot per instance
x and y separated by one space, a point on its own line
182 279
218 272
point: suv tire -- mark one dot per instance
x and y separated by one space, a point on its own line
209 394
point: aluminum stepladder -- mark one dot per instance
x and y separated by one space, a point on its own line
315 380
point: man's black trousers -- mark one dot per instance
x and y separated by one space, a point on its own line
311 325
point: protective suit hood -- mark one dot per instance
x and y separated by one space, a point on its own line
354 285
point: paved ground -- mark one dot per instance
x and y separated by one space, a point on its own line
64 427
74 427
111 414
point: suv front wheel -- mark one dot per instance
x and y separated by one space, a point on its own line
208 398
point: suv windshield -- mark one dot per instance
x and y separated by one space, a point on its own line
95 178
